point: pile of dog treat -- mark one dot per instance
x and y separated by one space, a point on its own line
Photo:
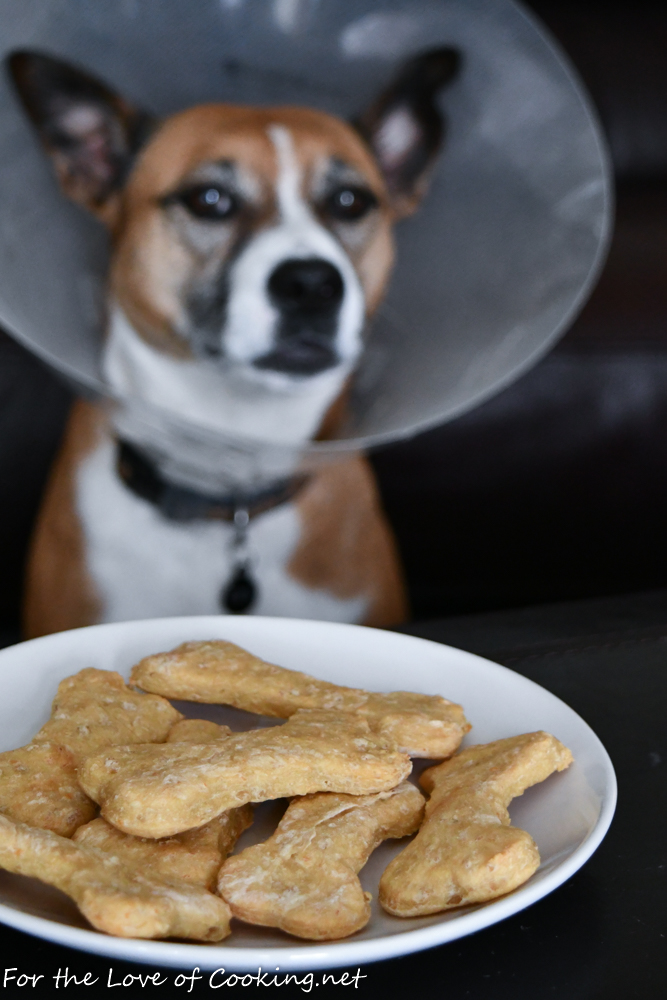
174 796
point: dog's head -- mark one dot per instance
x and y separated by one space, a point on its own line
255 239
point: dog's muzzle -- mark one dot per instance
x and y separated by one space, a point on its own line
308 294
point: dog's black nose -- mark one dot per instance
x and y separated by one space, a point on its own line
310 285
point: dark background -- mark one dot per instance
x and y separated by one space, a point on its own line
557 488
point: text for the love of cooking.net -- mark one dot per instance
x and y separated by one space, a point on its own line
219 978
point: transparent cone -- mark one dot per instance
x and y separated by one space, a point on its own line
490 270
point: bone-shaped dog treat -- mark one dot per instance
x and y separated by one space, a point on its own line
197 731
38 782
194 856
157 791
219 672
39 786
304 878
96 708
466 851
114 897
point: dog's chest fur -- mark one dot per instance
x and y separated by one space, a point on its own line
143 566
101 553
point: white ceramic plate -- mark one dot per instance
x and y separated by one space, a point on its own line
568 815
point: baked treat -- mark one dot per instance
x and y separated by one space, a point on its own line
39 786
195 855
466 851
115 897
157 791
219 672
92 709
197 731
96 708
304 878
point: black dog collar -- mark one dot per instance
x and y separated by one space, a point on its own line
179 503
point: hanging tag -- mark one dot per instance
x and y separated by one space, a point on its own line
240 592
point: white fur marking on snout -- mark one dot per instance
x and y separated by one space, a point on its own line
293 209
252 320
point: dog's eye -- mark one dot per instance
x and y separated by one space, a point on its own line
208 201
350 203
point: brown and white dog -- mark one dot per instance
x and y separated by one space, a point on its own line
249 247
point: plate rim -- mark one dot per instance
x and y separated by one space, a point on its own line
314 956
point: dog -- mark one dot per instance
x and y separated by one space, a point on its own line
249 247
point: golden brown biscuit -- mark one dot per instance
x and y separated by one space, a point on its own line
304 878
219 672
157 791
114 897
197 731
38 782
195 855
466 850
39 786
96 708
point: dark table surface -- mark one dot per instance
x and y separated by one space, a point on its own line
602 935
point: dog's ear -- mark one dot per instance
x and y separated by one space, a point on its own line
90 133
405 128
